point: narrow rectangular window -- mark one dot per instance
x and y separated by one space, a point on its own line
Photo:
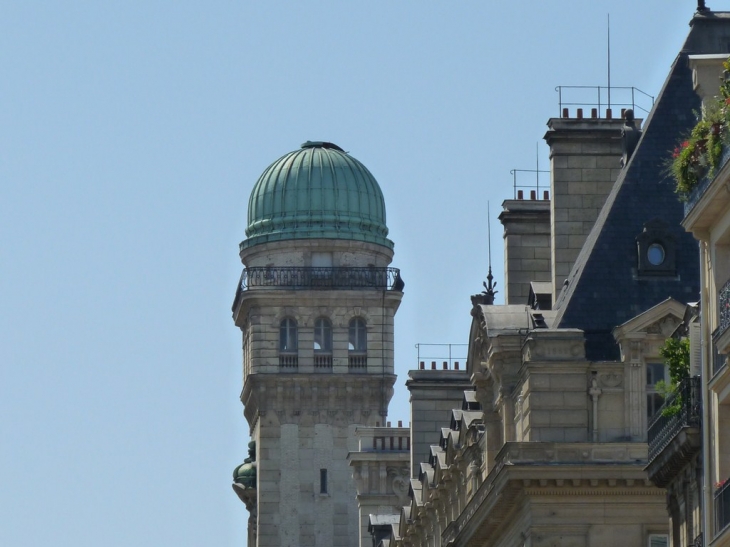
655 372
322 481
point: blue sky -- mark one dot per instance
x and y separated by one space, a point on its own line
130 137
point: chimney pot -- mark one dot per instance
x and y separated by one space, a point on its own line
546 194
433 365
579 113
533 195
456 365
623 113
446 365
519 194
566 113
422 365
388 424
400 423
594 113
609 114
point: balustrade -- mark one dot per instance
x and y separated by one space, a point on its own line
681 409
321 278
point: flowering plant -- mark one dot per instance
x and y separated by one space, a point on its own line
699 154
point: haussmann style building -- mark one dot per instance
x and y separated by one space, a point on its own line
551 433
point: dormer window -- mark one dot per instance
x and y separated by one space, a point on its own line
656 250
655 254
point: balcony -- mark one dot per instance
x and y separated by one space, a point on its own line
722 506
289 361
323 361
708 192
295 278
357 361
321 278
718 360
721 336
675 433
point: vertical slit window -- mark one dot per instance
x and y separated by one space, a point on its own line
322 481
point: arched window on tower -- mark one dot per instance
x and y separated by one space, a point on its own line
358 346
322 343
288 350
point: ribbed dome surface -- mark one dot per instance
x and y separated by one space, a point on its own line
318 191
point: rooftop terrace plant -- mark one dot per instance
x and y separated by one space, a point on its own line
699 154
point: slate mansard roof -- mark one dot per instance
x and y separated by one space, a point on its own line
605 287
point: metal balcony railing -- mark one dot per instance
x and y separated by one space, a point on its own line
718 360
320 278
296 278
695 195
723 309
666 423
722 506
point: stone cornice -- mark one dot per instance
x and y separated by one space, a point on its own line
297 398
602 470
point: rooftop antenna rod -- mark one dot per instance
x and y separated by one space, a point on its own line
537 170
608 26
489 239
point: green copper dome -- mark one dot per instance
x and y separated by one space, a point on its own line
318 191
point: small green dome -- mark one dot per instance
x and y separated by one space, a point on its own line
318 191
245 475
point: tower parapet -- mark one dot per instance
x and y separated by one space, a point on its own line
316 306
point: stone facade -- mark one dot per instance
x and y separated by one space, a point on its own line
381 469
316 316
704 480
304 417
585 159
526 246
434 393
542 440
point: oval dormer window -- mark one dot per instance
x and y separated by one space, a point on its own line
655 254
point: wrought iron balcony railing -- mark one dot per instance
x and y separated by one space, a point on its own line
696 194
722 506
681 409
296 278
321 278
723 309
718 360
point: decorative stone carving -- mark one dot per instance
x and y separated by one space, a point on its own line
611 379
400 481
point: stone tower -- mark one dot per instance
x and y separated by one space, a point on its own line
315 305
